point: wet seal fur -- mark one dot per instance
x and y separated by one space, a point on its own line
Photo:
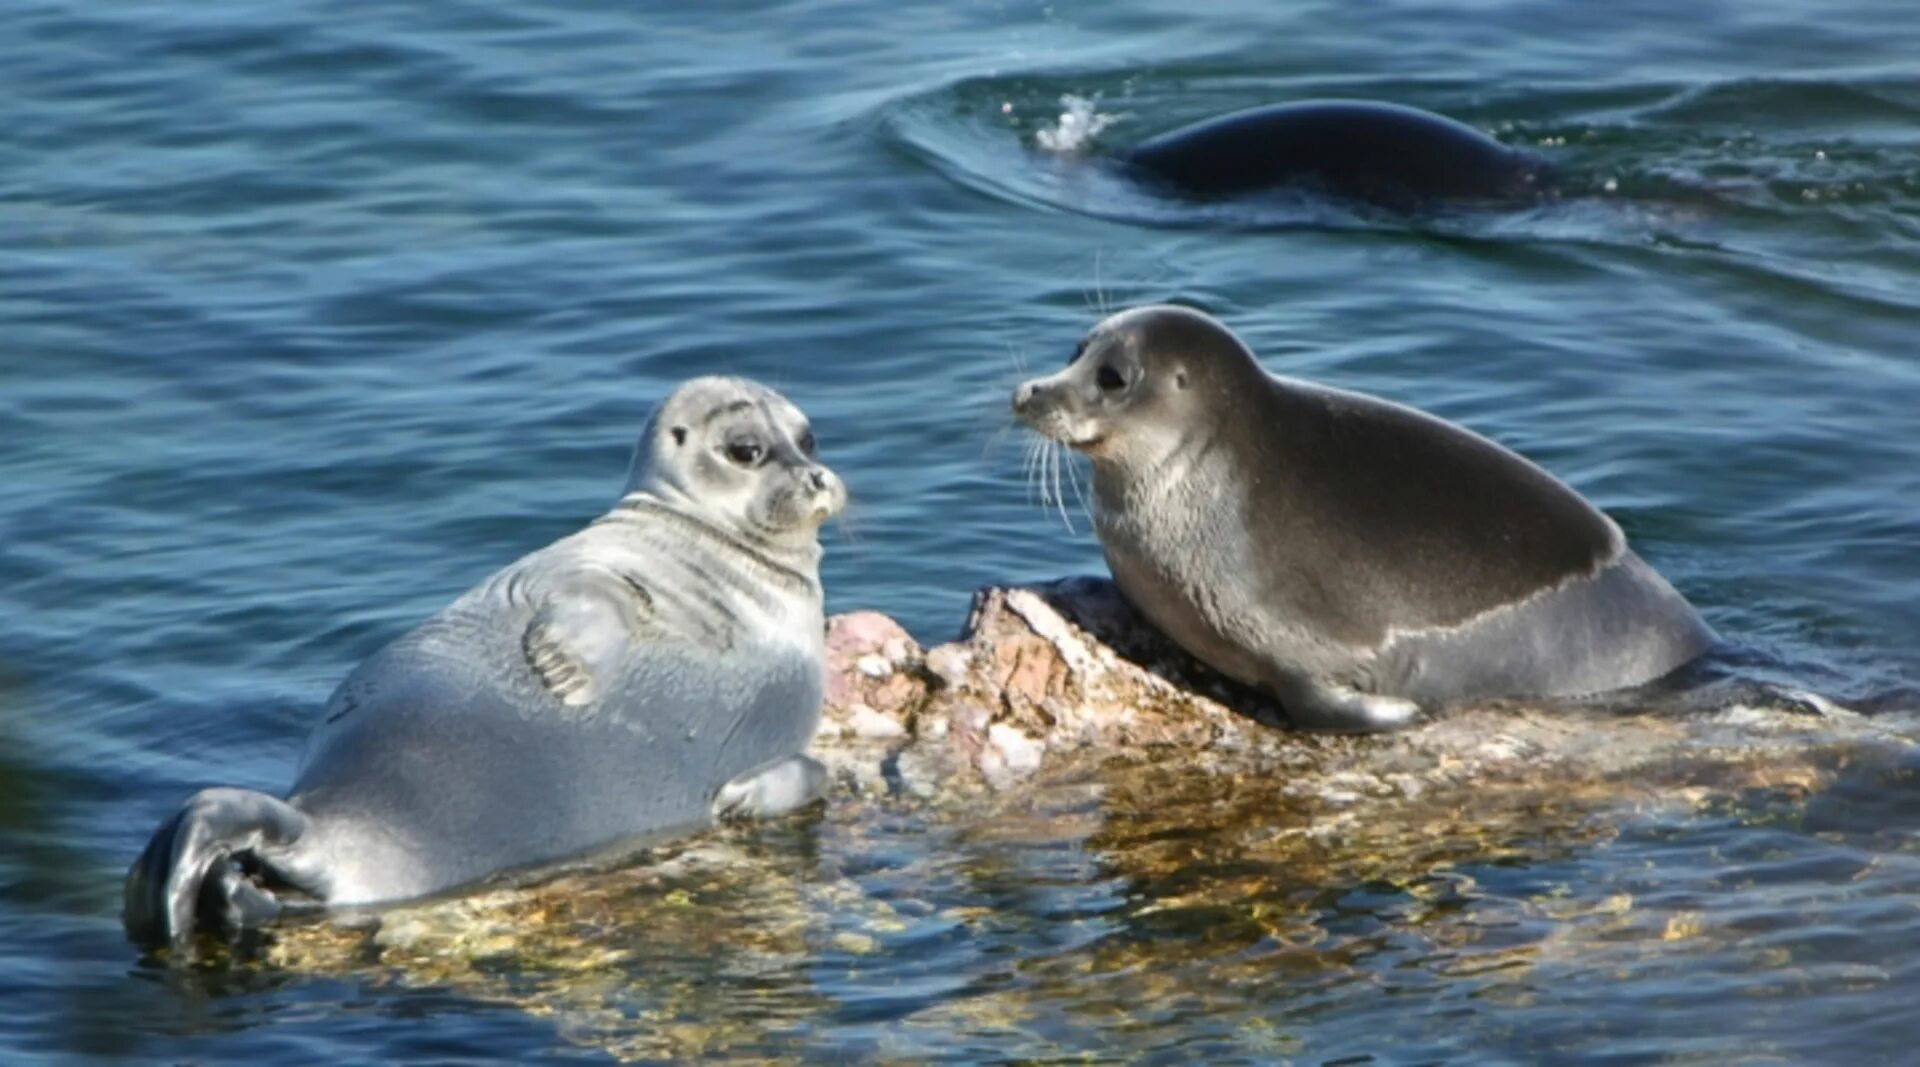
638 679
1388 155
1359 559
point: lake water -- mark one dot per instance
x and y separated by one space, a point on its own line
312 314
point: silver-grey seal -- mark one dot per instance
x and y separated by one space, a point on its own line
1360 559
633 681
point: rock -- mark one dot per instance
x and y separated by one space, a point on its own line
872 663
1018 755
868 724
1046 674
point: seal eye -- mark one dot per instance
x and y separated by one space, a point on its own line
746 453
808 446
1109 380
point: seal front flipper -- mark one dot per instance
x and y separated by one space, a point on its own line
1340 710
581 632
194 872
775 789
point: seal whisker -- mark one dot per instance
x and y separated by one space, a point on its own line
1030 470
995 439
1055 451
1040 453
997 405
1045 473
1073 479
1104 298
848 525
849 528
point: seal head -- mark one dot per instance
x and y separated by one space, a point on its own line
741 454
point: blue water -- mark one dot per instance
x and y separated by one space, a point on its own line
313 314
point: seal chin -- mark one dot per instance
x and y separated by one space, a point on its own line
825 504
829 502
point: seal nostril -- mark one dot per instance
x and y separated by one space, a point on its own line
817 478
1023 396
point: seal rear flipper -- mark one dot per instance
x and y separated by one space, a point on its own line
195 872
1339 710
775 789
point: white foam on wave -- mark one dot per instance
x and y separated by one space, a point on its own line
1080 122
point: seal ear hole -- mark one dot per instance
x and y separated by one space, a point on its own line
1180 379
1109 380
679 435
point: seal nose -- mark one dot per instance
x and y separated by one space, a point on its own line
1023 396
829 492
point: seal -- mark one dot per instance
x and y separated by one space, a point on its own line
653 672
1383 154
1360 559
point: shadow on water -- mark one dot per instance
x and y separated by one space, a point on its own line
40 870
58 885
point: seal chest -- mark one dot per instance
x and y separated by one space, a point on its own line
1359 558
